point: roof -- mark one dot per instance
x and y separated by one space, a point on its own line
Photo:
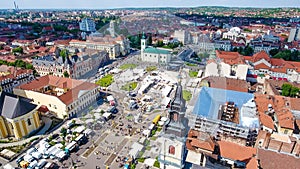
12 106
210 99
15 72
260 55
234 151
75 87
275 160
197 139
266 120
261 66
295 104
230 58
284 115
227 83
156 51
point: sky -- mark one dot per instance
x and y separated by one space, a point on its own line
108 4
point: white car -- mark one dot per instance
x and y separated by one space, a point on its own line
41 164
32 165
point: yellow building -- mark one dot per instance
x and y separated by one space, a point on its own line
18 116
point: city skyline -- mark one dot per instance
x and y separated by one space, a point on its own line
110 4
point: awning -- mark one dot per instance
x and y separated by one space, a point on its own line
43 108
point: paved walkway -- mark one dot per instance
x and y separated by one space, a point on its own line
2 145
46 127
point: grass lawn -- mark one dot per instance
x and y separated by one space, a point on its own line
190 64
187 95
148 148
129 86
156 164
128 66
153 138
151 68
193 73
141 160
105 81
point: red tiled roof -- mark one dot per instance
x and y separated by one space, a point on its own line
277 62
74 86
261 66
261 55
227 83
230 58
284 115
197 139
295 103
266 120
275 160
252 164
234 151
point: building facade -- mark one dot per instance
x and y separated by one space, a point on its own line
154 55
15 77
76 66
174 135
64 97
19 117
87 25
115 47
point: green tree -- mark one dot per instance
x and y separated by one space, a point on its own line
160 43
66 74
63 54
17 50
149 41
294 91
273 52
1 47
286 89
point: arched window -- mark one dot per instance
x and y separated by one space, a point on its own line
171 150
29 122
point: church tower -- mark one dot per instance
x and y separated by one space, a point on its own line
143 42
143 45
172 154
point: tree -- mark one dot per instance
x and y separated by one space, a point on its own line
66 74
17 50
286 89
1 47
63 54
160 43
273 52
294 91
248 51
149 41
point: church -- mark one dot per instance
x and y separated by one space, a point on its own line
154 55
173 151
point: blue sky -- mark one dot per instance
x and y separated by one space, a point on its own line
102 4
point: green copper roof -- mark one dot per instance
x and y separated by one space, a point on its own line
156 51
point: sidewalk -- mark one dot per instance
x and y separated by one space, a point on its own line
3 145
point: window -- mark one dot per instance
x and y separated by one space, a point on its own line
29 122
172 150
286 131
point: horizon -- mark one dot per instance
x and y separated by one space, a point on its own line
118 4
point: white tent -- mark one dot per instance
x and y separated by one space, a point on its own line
110 98
135 149
107 115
